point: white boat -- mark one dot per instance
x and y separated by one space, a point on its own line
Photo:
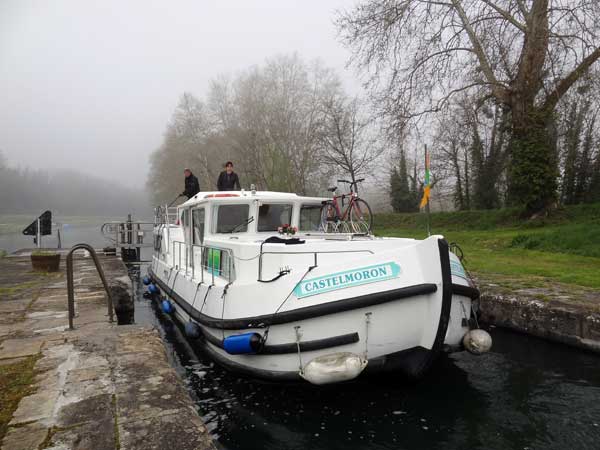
324 307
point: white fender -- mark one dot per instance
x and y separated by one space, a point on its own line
333 368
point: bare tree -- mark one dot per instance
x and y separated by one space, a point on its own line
184 145
349 142
269 116
450 155
523 54
191 126
267 120
578 135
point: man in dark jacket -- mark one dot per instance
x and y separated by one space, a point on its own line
191 184
228 179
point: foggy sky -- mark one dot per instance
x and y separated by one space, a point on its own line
92 84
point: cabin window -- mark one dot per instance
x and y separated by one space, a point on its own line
272 215
232 218
310 218
198 226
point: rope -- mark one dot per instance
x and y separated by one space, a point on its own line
292 291
298 336
246 259
455 248
283 303
223 311
174 281
205 297
462 259
195 294
368 322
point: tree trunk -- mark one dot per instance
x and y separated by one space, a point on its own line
467 187
353 179
459 200
533 169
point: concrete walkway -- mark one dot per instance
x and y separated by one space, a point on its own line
101 386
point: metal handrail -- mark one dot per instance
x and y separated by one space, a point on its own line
164 214
203 248
127 233
71 290
189 258
179 244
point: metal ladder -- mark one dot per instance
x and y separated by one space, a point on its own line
71 290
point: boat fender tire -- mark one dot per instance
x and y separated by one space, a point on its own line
477 341
192 330
333 368
243 344
167 306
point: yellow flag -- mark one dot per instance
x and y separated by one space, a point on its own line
425 199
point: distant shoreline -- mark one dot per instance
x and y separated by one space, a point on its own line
15 223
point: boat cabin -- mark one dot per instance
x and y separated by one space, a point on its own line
224 234
247 215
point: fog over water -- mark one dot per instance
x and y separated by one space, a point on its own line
91 85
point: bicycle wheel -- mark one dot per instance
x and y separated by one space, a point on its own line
361 217
328 218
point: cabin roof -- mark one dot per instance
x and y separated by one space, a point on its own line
236 196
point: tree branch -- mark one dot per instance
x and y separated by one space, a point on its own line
499 93
564 85
506 15
523 9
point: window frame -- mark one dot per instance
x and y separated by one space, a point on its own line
285 203
215 217
302 205
193 225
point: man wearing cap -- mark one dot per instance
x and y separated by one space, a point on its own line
191 184
228 179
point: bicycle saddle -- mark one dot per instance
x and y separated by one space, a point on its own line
332 189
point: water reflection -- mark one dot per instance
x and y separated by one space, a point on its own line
526 394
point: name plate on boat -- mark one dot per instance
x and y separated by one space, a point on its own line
348 278
457 269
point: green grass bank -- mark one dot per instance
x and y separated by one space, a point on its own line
16 380
563 247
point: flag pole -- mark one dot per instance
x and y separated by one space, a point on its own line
427 209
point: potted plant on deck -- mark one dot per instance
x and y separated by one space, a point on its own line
287 231
45 260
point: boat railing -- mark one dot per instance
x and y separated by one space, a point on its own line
128 234
177 253
165 215
314 253
216 261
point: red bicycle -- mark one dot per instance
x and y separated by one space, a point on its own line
355 218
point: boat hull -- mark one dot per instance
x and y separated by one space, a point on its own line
401 330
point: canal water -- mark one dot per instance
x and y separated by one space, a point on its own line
71 234
525 394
